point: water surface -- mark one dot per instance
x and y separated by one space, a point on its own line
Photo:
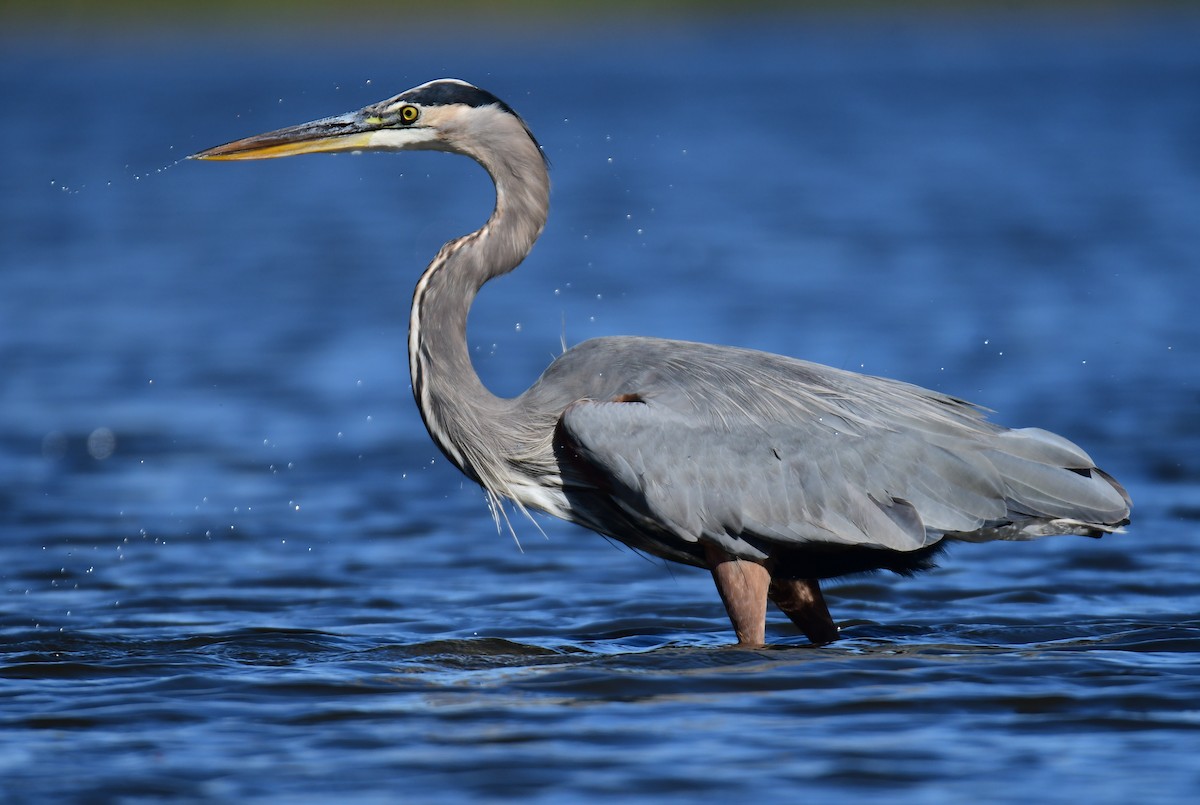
235 568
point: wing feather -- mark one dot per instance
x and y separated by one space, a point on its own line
756 452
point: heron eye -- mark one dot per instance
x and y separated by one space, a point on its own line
409 114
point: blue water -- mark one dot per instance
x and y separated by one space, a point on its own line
233 567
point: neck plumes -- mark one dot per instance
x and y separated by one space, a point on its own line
462 416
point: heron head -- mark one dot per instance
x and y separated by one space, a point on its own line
442 115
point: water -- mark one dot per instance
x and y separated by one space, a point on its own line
234 568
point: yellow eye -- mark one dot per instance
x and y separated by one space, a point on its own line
409 114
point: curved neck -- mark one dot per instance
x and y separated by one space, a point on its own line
460 413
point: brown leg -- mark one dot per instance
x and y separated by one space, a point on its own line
743 588
801 600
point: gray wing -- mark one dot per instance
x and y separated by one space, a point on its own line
754 451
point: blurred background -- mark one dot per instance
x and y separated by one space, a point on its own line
221 517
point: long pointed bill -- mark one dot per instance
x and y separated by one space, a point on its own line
348 132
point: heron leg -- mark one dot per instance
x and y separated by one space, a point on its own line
802 601
743 588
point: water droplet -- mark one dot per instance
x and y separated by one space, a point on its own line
101 443
54 445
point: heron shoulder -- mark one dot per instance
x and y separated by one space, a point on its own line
721 384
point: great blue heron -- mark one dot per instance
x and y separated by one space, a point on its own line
771 472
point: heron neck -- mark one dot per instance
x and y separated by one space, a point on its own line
461 414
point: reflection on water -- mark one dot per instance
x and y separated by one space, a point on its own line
235 567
